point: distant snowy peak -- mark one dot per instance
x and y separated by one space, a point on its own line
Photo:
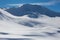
33 11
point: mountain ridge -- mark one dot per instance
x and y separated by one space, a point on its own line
32 11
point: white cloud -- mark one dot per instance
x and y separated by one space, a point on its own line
53 2
17 5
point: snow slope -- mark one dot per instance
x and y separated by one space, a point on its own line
8 14
43 28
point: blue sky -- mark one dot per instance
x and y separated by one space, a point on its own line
51 4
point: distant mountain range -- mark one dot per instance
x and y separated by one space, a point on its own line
32 11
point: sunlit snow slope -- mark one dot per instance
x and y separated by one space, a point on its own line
41 28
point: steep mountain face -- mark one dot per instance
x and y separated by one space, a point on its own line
32 11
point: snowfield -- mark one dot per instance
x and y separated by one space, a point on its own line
42 28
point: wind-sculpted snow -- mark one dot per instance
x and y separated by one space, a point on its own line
41 28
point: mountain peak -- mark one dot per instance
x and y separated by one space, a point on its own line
30 5
32 11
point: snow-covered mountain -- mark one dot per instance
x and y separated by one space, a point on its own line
17 23
32 11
